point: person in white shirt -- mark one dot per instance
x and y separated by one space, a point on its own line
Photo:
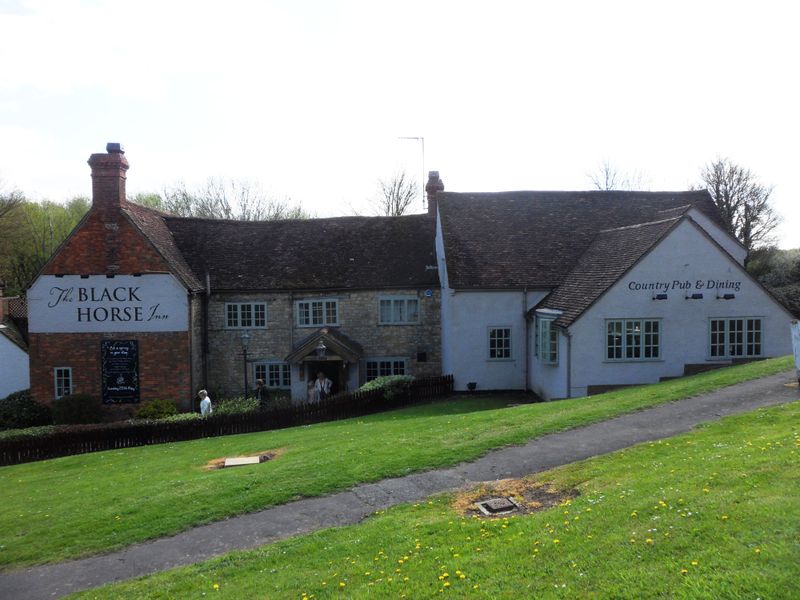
205 403
322 386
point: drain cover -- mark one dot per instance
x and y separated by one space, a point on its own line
243 460
497 506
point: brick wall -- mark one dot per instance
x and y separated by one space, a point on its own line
164 365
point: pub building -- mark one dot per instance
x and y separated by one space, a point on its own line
562 293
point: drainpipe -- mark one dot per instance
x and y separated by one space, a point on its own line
569 362
206 301
527 337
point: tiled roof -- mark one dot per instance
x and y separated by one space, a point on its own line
533 239
612 253
9 330
335 341
309 254
152 224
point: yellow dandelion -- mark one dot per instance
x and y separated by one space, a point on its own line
684 571
215 586
556 541
695 563
649 541
446 584
758 550
342 584
724 517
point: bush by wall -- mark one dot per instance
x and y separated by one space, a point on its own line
156 409
235 406
19 410
75 409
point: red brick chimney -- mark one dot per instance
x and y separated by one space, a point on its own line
108 177
433 186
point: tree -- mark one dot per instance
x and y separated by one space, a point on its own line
743 202
608 177
10 199
35 230
223 199
396 195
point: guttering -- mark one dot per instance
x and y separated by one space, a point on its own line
527 337
568 335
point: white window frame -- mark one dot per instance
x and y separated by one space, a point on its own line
284 374
324 317
236 309
505 350
58 382
634 345
405 316
751 337
546 340
385 366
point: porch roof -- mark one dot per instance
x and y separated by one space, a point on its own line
335 341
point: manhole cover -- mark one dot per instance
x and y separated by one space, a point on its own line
497 506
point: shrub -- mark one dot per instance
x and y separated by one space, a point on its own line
19 410
188 416
28 432
392 385
75 409
156 409
236 406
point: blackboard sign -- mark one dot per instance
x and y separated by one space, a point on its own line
120 364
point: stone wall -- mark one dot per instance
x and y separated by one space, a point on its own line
358 320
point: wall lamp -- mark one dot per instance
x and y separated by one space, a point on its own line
696 296
726 297
660 297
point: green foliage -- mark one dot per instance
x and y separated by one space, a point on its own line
188 416
156 409
19 410
392 385
235 406
75 409
779 271
84 494
28 432
30 234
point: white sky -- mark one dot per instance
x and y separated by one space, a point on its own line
309 98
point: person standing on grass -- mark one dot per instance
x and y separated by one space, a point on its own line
262 394
205 403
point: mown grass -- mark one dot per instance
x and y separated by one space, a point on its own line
709 514
79 505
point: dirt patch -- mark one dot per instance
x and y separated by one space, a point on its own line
219 463
529 495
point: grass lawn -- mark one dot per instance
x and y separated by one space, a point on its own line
709 514
74 506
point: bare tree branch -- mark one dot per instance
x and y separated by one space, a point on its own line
608 177
396 195
743 202
221 198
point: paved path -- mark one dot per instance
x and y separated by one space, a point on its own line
349 507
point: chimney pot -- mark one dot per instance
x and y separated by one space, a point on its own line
115 148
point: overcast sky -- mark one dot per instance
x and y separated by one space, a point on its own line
310 98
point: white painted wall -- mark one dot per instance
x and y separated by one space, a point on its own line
14 372
549 381
730 244
99 304
466 319
685 258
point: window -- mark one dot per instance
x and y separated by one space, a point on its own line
546 341
240 315
63 381
380 367
311 313
633 339
499 343
730 338
398 311
274 375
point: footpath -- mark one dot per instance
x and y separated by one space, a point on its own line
352 506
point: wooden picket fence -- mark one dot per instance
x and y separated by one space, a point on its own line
79 439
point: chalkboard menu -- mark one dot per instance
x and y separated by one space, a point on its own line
120 364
